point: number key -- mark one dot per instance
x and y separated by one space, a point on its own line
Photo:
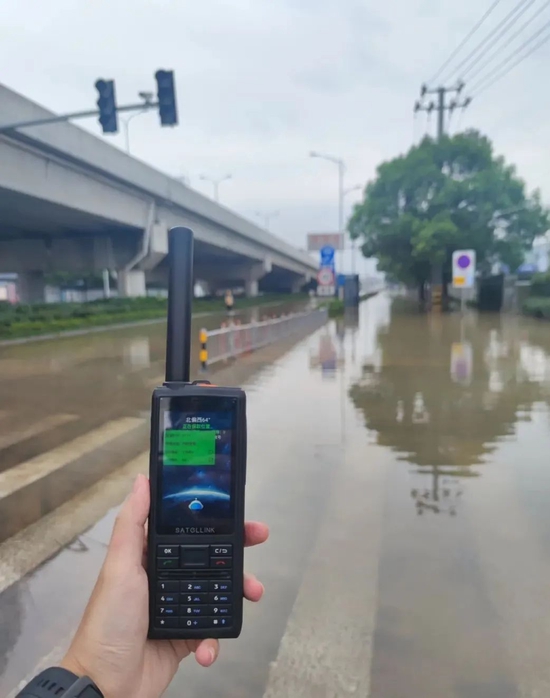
167 610
194 598
221 598
165 599
220 610
193 610
194 586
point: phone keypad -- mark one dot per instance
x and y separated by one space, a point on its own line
194 603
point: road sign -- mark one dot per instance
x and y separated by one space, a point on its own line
316 241
327 256
326 291
325 276
464 268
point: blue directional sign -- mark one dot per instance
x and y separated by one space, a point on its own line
327 256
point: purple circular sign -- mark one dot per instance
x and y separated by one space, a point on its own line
464 261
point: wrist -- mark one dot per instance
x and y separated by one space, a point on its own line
71 663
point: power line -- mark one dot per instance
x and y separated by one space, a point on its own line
466 39
495 76
460 117
452 110
519 8
502 34
519 31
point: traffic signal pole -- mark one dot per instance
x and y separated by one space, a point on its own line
75 115
108 109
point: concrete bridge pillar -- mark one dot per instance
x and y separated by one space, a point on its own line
252 276
31 287
131 284
297 285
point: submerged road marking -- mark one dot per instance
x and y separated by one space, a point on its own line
40 466
36 428
327 646
29 548
513 557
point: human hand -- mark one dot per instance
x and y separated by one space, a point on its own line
111 645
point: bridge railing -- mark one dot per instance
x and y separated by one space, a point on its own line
236 339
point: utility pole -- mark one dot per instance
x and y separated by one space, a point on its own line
441 107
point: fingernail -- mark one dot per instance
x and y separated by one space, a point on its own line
212 655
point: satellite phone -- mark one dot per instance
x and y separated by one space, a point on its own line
197 475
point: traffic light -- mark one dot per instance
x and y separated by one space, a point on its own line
166 92
107 105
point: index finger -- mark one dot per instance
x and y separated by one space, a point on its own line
255 533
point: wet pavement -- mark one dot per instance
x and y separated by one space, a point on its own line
79 406
401 461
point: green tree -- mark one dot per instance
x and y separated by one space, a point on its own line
446 195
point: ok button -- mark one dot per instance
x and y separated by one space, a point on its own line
168 550
221 550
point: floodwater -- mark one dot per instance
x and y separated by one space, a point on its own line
462 406
56 390
402 462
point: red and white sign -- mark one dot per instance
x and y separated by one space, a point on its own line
316 241
325 277
326 282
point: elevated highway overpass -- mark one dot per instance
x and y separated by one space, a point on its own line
69 201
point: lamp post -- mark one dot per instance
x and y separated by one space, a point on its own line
266 217
347 191
216 181
147 98
341 171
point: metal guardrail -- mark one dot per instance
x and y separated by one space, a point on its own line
236 339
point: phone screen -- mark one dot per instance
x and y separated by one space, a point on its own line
196 457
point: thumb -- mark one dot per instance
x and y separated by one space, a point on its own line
127 540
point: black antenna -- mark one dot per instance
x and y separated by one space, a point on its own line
180 298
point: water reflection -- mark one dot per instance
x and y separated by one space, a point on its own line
442 392
327 356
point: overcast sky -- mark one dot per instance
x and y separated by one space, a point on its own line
262 82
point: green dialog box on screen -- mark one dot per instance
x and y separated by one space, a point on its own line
183 447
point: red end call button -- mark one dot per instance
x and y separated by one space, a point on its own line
221 563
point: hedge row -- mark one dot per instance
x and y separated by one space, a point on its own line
49 318
540 286
537 307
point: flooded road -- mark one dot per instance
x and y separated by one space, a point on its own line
464 576
402 463
56 390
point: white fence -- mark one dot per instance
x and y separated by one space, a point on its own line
233 340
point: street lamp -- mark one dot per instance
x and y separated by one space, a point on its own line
147 98
184 179
347 191
341 171
266 217
216 181
350 189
